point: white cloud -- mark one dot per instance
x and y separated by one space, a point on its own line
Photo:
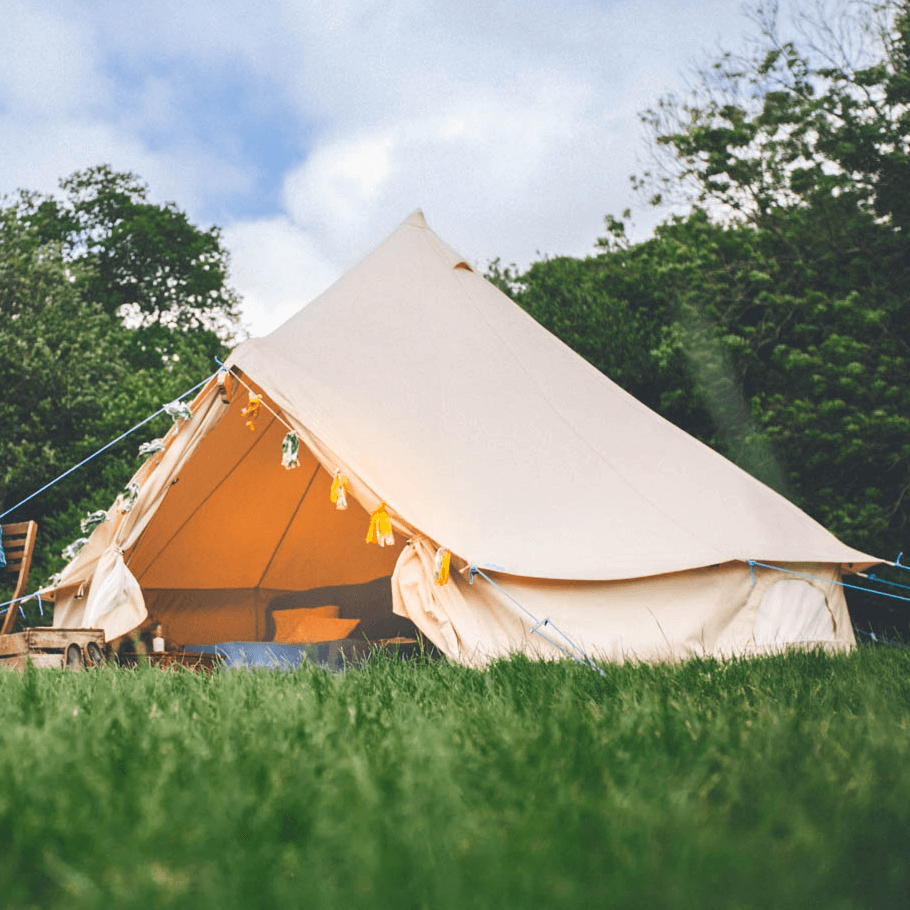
48 63
513 125
506 174
36 154
277 268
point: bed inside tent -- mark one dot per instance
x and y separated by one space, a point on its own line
241 549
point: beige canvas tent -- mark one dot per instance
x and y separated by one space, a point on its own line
597 526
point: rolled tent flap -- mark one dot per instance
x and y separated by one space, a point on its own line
115 602
472 622
413 597
718 611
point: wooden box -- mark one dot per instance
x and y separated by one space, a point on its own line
48 647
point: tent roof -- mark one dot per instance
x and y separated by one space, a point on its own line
490 436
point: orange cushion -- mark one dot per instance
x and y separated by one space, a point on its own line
314 624
327 610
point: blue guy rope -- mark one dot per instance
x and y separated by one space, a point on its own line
19 601
882 581
113 442
579 654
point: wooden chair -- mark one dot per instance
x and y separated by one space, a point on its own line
18 542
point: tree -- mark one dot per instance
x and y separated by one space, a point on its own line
144 263
109 307
821 123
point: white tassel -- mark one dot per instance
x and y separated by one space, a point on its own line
290 451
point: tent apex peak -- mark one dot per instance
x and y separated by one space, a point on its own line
416 219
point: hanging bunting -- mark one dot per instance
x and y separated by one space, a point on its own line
441 566
178 410
380 530
69 553
252 409
127 498
290 451
92 520
338 493
150 447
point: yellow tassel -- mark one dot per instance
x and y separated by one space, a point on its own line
252 409
380 530
441 567
338 493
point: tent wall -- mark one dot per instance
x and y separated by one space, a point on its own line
235 518
209 616
702 612
215 616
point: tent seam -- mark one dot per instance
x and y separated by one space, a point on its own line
289 523
189 517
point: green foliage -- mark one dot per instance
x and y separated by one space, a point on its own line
773 782
109 307
822 122
147 261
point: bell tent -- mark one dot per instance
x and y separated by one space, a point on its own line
470 443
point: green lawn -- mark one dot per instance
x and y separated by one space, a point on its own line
779 782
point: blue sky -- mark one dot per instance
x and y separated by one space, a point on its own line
309 130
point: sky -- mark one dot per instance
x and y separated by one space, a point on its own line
309 130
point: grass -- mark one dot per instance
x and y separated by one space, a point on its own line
776 782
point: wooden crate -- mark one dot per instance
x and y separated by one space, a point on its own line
46 647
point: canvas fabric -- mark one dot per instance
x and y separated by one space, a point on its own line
434 393
712 611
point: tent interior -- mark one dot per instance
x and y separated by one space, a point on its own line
239 542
